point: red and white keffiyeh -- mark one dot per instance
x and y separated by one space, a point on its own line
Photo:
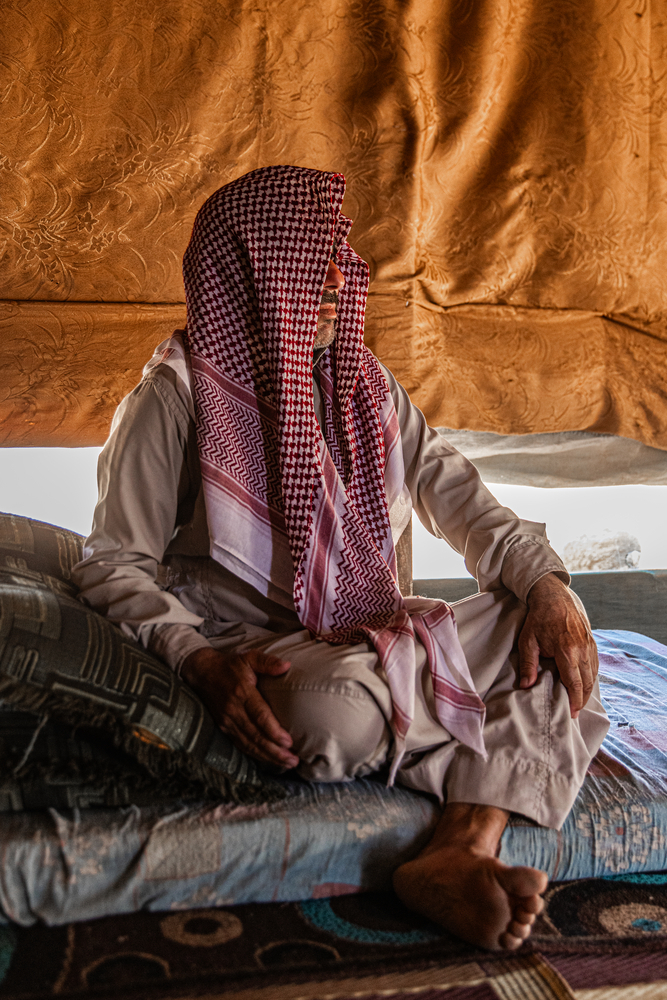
290 508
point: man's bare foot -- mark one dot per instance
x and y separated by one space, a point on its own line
458 882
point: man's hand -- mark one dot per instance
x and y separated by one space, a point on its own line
557 627
227 684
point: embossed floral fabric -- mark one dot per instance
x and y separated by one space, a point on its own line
506 173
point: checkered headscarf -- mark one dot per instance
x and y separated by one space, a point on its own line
291 508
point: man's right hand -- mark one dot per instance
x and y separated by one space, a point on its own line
227 684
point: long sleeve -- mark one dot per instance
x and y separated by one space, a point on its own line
150 510
144 482
500 549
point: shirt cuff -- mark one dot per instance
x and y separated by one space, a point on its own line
173 643
527 561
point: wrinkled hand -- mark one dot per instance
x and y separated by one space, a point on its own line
227 684
557 627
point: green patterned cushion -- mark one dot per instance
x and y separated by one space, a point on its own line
46 764
66 665
26 544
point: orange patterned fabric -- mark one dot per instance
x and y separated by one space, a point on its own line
507 174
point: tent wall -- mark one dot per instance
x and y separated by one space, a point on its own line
507 174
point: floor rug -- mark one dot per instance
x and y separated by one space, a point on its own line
596 936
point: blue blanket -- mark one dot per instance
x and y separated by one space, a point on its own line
331 839
619 821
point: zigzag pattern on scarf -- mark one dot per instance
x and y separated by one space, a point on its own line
249 437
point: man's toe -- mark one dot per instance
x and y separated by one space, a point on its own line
532 904
522 884
509 941
519 930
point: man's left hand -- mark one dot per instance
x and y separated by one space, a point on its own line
557 627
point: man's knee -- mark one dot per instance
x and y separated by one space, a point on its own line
338 729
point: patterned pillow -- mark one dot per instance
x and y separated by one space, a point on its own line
26 544
66 665
46 764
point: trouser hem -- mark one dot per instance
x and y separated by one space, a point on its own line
530 788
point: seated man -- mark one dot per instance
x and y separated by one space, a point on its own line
251 492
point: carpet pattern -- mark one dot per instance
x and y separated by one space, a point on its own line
594 933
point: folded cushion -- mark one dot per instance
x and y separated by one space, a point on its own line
45 764
64 663
26 544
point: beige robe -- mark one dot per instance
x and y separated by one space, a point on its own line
147 567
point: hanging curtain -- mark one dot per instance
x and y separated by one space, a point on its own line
506 165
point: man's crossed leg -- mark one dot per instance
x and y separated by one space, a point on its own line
335 705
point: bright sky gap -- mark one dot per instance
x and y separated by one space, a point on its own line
58 485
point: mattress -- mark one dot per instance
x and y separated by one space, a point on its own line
325 840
